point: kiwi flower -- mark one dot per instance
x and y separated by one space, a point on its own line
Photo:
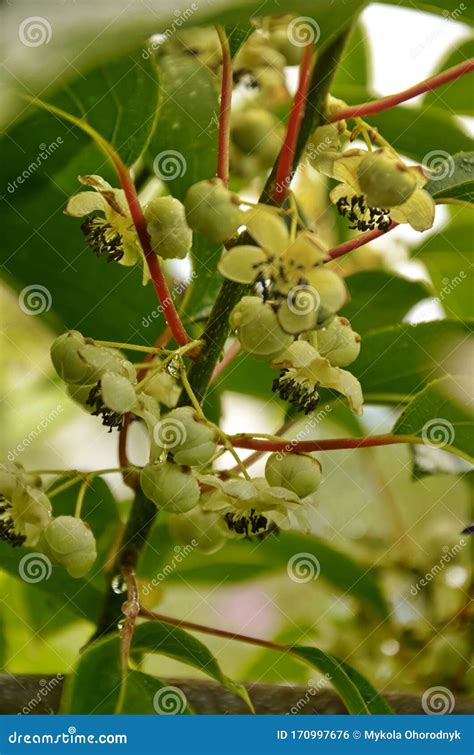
25 510
377 188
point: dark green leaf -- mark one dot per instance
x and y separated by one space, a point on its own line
242 559
147 695
337 675
354 68
448 257
374 701
442 415
45 248
164 639
396 363
379 299
452 179
456 95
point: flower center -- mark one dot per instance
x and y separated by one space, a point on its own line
7 525
103 238
362 217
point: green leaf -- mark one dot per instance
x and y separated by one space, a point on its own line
165 639
379 299
397 362
43 247
187 127
442 415
374 701
241 560
145 695
452 179
448 257
462 12
414 131
354 68
337 675
456 95
152 637
78 595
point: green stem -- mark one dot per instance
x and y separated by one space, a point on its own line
136 531
217 329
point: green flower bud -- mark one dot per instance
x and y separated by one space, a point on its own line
338 342
257 132
102 359
67 360
213 210
118 393
170 235
69 541
280 41
331 290
298 312
386 181
257 327
300 473
183 435
204 530
171 487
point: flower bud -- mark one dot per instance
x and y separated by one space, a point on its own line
213 210
102 359
118 393
257 132
338 342
67 360
164 388
171 487
183 435
300 473
170 235
202 529
69 541
385 180
257 327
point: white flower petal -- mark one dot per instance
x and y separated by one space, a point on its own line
84 203
242 263
268 229
418 211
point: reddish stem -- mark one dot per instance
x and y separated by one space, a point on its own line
287 153
159 281
225 108
355 243
378 106
302 446
228 357
210 630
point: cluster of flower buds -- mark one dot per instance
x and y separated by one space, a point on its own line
206 510
26 519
